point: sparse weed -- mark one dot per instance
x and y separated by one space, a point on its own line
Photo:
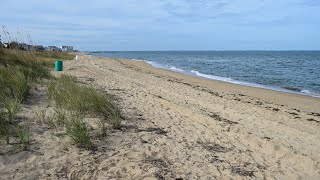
12 106
50 122
23 134
78 131
40 114
103 128
4 127
116 123
60 116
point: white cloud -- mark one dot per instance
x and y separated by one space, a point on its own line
112 20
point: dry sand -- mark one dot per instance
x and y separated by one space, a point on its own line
177 126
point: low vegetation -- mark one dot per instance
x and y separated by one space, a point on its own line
81 101
21 70
23 134
49 55
78 131
71 96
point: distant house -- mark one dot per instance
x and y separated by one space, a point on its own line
30 47
39 48
23 46
13 45
54 48
67 48
6 45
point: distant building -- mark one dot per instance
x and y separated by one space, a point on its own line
54 48
6 45
30 47
23 46
67 48
13 45
39 48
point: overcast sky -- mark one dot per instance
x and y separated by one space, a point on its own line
167 24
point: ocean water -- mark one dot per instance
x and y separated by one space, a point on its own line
288 71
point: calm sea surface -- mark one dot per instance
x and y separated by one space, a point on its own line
289 71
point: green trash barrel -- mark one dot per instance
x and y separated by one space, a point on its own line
58 65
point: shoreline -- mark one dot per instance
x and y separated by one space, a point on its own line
198 74
296 100
178 126
228 80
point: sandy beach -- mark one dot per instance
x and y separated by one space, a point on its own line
176 126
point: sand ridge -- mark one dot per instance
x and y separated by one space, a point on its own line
176 126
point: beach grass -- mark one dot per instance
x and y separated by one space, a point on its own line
69 95
78 131
19 71
4 127
14 84
23 133
40 114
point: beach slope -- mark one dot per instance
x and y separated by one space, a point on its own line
177 126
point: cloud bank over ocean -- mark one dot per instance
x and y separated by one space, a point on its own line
168 24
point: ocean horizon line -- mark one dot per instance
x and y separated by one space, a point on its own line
106 51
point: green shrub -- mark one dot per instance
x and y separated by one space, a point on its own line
78 131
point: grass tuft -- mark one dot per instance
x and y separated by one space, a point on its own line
71 96
23 134
78 131
40 114
14 84
60 116
12 106
4 127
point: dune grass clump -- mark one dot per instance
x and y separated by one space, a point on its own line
19 70
78 131
60 116
23 134
54 55
4 127
28 63
13 84
71 96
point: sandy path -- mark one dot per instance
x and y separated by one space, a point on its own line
199 131
176 126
